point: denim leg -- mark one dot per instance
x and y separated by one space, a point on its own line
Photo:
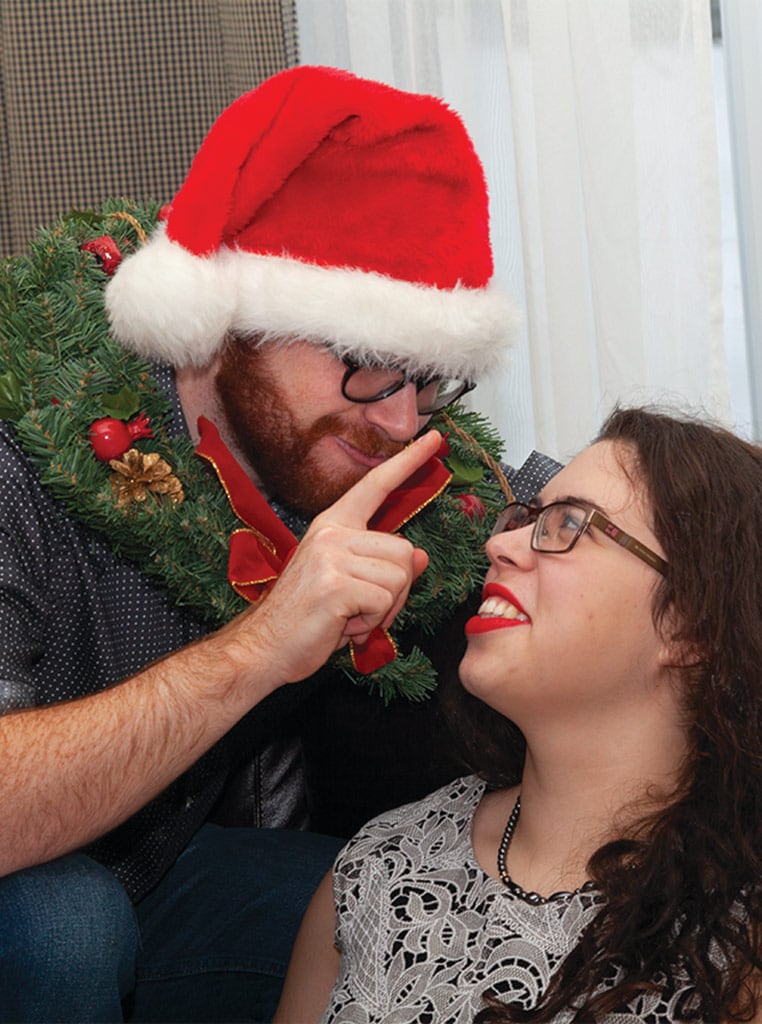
217 931
68 940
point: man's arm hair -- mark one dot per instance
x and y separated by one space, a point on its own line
75 770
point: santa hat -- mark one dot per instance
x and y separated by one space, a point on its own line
331 209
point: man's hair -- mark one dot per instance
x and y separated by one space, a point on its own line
682 889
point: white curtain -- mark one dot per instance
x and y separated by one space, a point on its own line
742 41
595 121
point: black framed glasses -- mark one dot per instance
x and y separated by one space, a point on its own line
367 384
559 525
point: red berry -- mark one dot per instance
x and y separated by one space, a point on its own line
106 251
110 438
471 506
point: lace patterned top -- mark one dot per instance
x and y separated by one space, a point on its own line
423 931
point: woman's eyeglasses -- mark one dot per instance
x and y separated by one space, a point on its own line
559 525
367 384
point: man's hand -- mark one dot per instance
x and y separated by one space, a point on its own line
75 770
343 580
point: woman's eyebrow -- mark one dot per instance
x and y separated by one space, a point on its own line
570 499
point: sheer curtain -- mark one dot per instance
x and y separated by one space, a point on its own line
595 122
742 39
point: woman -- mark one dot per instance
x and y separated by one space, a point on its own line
621 631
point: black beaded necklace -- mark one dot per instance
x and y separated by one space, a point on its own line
531 897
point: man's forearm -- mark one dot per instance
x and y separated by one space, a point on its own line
73 771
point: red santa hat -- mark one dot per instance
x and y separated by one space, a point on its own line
332 209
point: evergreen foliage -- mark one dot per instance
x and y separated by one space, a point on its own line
60 371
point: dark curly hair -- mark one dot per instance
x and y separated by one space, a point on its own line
675 884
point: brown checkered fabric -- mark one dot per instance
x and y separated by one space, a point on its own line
113 97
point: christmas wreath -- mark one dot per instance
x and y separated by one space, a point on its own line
93 421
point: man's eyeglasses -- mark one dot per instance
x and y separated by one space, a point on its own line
559 525
367 384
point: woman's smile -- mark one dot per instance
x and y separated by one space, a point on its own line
500 609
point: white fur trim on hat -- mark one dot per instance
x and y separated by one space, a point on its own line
168 304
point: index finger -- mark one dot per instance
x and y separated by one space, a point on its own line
359 503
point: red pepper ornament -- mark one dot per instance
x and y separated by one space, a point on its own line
106 251
111 438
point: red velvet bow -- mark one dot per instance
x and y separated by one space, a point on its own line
260 550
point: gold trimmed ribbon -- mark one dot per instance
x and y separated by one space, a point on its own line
261 548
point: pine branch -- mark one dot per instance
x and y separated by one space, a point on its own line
58 365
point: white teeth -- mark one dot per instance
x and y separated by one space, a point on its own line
499 608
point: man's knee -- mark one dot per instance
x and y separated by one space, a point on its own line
217 931
68 934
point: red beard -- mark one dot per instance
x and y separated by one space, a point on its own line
282 452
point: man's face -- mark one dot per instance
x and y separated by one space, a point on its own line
306 441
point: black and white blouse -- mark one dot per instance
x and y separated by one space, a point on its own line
424 932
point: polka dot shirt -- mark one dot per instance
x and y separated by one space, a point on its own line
75 618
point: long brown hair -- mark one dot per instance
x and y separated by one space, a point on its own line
675 885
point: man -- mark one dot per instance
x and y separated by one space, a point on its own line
320 284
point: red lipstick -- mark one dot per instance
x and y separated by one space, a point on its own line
477 624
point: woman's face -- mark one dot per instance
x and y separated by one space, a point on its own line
565 635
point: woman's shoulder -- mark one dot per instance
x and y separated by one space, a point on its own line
429 836
456 799
442 820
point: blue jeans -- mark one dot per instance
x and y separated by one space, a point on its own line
210 943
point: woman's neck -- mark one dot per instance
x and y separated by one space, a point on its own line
577 793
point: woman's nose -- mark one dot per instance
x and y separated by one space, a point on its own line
514 546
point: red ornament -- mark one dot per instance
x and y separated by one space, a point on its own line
471 506
106 251
111 438
444 447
